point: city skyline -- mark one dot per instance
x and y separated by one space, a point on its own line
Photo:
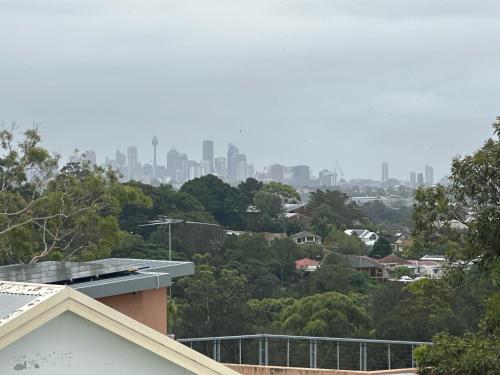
234 166
316 84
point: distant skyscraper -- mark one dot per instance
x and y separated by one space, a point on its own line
245 170
276 172
155 144
232 164
326 178
90 156
420 179
301 175
132 161
121 158
208 154
173 163
385 172
429 175
413 179
205 167
220 167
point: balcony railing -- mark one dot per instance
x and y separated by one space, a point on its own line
308 351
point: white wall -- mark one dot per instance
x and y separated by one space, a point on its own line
71 345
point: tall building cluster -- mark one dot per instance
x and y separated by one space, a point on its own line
234 168
179 168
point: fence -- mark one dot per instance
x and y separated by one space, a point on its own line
308 351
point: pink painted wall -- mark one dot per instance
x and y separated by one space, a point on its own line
148 307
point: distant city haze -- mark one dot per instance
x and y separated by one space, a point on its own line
293 82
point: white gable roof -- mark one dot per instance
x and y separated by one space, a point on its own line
42 303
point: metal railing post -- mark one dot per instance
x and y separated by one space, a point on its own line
412 357
266 351
388 356
288 353
215 350
218 350
360 356
365 356
315 354
239 351
338 355
310 353
260 351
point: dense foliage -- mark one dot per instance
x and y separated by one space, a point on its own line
248 282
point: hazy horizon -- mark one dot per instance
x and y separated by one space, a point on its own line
296 82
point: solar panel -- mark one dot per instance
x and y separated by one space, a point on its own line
54 272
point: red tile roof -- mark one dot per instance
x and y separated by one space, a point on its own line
306 262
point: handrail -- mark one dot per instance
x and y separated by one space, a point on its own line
316 338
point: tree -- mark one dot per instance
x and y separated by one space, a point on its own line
249 188
328 314
225 203
342 243
50 214
381 248
212 303
332 208
467 211
165 201
287 193
335 275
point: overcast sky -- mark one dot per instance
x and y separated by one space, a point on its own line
291 81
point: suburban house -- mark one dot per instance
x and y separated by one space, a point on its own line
392 262
56 330
427 268
368 265
297 213
134 287
307 264
306 237
369 238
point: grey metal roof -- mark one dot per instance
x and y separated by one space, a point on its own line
357 261
18 297
304 234
12 302
105 277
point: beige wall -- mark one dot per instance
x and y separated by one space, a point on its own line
148 307
265 370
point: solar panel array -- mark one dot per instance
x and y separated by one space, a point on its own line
57 272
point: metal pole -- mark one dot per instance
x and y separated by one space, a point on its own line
365 356
169 241
260 350
288 353
218 350
239 351
215 350
315 354
338 355
360 356
310 354
412 358
266 351
389 356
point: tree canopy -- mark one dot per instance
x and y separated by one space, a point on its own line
49 213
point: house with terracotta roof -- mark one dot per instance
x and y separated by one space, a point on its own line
307 264
57 330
